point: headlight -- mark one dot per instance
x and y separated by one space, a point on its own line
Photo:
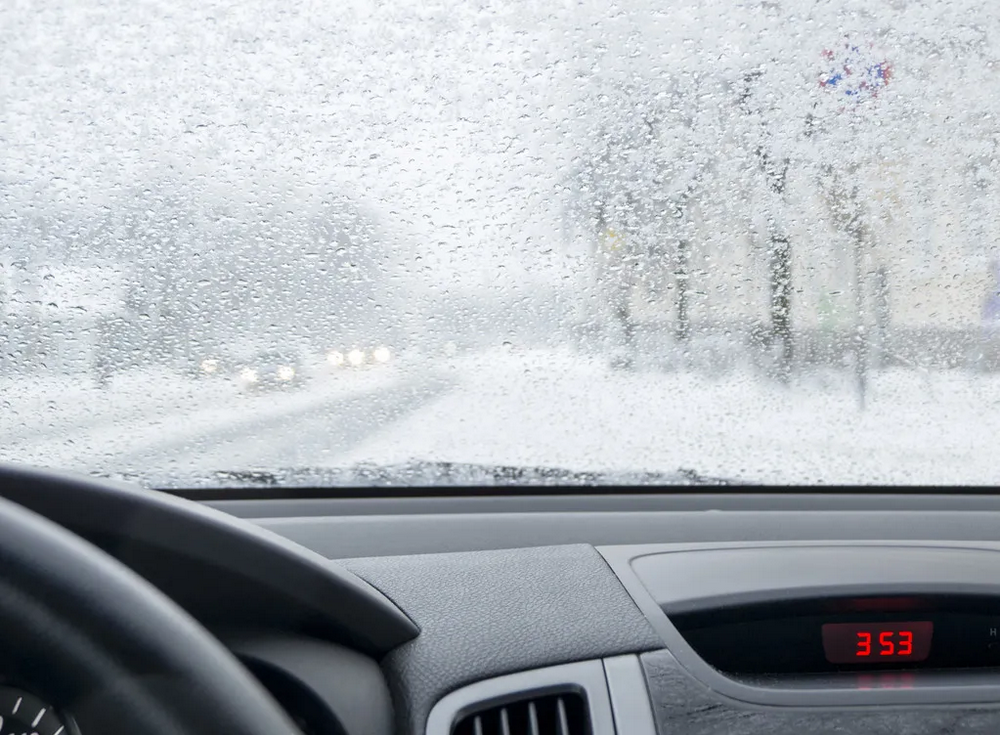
249 375
335 358
209 366
381 354
356 357
286 372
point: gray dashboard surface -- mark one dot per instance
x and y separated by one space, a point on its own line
682 578
609 499
683 706
342 528
484 614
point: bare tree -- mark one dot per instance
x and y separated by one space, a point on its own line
774 170
641 168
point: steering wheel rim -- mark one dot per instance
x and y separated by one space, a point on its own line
110 648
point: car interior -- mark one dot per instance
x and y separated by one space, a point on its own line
422 367
562 612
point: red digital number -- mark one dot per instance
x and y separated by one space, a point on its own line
864 644
885 640
905 642
887 645
877 643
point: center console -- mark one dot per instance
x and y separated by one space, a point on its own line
819 637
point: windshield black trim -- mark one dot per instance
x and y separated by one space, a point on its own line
501 491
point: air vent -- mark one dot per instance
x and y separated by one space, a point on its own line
568 699
554 714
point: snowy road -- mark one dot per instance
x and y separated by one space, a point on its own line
154 424
538 408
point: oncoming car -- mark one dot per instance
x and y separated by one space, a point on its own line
356 357
209 365
270 369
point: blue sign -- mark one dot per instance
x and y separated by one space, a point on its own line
855 72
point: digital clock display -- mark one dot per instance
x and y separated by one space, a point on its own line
874 643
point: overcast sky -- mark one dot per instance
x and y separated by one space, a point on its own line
438 115
453 118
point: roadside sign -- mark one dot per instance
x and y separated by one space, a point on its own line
855 70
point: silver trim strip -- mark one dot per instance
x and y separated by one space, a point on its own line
630 703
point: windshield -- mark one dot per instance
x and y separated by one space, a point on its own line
573 241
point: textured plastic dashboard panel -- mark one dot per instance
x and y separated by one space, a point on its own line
488 613
683 706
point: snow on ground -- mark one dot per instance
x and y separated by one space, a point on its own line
558 409
66 421
550 408
37 405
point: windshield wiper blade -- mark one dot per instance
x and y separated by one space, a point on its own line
450 475
248 477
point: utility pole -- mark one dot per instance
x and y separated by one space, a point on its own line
856 229
854 74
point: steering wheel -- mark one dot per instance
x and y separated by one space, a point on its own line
111 648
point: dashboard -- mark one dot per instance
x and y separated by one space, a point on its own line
571 614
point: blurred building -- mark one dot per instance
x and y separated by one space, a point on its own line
60 317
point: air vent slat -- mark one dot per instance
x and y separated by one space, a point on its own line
562 723
563 713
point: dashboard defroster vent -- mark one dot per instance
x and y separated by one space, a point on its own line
553 714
